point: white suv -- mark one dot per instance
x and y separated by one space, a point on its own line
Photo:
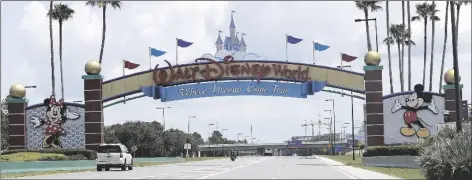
114 156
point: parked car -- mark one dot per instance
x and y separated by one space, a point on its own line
114 156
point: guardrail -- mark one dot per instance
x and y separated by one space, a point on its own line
18 167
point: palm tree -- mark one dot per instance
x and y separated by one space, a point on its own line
458 7
53 78
365 6
402 70
423 13
388 48
61 13
399 34
433 19
103 5
409 46
446 19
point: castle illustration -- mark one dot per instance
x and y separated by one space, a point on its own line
232 43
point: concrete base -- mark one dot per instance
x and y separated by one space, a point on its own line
391 161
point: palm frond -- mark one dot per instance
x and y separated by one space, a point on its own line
415 18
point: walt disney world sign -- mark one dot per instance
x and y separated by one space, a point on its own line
228 69
166 90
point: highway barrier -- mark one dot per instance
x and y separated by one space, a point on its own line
18 167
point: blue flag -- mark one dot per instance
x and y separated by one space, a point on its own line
293 40
320 47
182 43
155 52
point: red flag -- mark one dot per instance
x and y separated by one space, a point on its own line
130 65
347 58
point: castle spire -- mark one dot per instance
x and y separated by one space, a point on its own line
231 25
242 44
219 42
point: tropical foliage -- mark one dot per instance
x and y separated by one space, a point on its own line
60 13
367 6
448 156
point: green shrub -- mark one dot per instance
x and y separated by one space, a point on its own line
77 157
89 154
399 150
32 156
448 156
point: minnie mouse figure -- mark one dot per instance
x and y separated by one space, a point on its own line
56 114
414 103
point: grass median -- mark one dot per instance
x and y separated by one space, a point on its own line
405 173
136 164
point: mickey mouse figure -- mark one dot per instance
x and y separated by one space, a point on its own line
415 102
56 114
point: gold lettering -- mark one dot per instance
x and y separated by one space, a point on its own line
277 69
245 69
235 69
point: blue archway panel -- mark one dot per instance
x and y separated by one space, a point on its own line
235 88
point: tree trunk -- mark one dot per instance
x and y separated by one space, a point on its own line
444 47
53 78
388 49
432 52
60 58
425 45
104 28
399 58
366 15
402 70
409 46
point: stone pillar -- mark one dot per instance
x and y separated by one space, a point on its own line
17 123
94 126
450 102
374 99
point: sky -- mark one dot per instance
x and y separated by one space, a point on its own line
25 56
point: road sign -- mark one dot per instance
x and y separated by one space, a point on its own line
329 146
294 143
134 148
339 149
187 146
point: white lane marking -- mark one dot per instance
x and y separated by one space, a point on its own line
143 177
345 173
254 162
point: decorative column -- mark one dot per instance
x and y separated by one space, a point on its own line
374 99
450 96
94 127
17 103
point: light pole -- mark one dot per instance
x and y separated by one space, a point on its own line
330 137
188 132
376 34
209 137
30 86
334 124
164 124
352 110
239 134
306 126
222 137
245 138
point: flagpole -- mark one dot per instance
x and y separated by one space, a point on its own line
176 52
150 58
342 92
314 52
286 48
124 97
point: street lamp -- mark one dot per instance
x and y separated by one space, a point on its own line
209 136
245 138
76 101
164 124
334 124
188 132
352 110
306 126
30 86
238 136
222 137
376 34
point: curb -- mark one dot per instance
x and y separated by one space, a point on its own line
344 172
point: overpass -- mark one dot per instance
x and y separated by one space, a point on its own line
248 147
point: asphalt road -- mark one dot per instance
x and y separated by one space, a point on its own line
242 168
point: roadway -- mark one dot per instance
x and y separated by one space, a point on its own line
276 167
